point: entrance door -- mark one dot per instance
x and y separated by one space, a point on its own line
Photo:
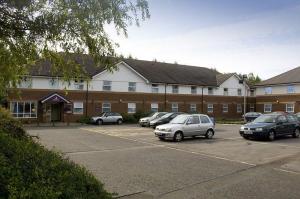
55 112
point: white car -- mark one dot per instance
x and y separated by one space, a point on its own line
145 121
186 125
108 117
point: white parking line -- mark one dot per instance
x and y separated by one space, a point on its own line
287 171
173 148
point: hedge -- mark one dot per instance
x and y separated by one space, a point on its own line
29 170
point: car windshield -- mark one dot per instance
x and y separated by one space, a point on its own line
153 114
102 114
180 119
167 115
266 119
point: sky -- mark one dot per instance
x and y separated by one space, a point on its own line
242 36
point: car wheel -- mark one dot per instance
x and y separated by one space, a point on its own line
99 122
119 122
162 139
296 134
246 137
271 135
178 137
209 134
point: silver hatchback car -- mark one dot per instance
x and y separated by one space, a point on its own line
186 125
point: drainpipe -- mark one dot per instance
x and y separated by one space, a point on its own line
165 97
202 105
86 98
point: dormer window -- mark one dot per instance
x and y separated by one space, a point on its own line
175 89
225 91
53 82
79 84
26 82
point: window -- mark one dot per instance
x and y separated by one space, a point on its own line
53 82
106 85
131 107
154 107
132 86
225 108
239 108
289 108
210 91
267 108
25 109
175 89
252 108
282 118
174 107
239 92
78 84
193 89
252 92
210 108
292 118
194 120
225 91
204 119
268 90
290 89
106 107
26 82
193 108
155 88
78 107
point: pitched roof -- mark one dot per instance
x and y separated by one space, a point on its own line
155 72
159 72
221 78
291 76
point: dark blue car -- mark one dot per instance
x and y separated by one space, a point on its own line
270 126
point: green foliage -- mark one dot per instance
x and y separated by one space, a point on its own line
253 79
129 118
85 120
40 29
139 114
28 170
11 126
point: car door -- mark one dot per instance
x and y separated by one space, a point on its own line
108 118
205 124
292 124
192 126
282 125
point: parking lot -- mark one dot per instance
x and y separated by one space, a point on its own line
130 161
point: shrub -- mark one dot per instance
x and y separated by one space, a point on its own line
139 114
28 170
129 118
84 120
11 126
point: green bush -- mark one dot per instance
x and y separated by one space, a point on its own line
84 120
28 170
139 114
129 118
10 126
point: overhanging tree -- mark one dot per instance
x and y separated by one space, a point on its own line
40 29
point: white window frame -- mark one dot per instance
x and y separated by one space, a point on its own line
174 107
252 92
239 92
210 108
78 108
106 85
155 88
210 90
268 109
193 89
53 82
268 90
239 108
23 114
79 84
290 109
290 89
154 107
132 88
106 105
225 91
193 108
175 89
26 82
225 108
131 108
252 108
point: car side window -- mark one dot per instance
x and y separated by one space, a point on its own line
282 118
173 116
291 118
204 119
194 120
108 114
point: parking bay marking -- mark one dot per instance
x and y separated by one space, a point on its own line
172 148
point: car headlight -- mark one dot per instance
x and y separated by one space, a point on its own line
259 129
169 130
242 128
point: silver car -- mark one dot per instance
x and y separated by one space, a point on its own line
108 118
145 121
186 125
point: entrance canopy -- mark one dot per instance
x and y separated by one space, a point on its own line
54 98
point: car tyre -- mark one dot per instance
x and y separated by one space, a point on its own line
119 122
162 139
99 122
271 136
178 137
209 134
246 137
296 134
